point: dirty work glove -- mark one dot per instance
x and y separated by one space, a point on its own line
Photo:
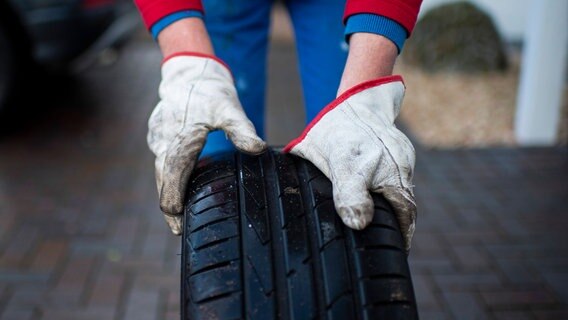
197 95
355 143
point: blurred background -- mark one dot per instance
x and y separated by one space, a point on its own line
81 236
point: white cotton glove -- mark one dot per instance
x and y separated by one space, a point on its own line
355 143
197 96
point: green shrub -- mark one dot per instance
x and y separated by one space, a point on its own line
456 37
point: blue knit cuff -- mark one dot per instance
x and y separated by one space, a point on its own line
372 23
171 18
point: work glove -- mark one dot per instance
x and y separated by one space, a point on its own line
197 95
355 143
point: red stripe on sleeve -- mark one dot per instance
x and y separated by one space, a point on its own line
154 10
404 12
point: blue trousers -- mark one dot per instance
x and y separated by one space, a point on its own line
239 30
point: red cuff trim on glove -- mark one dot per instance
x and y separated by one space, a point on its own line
344 96
195 54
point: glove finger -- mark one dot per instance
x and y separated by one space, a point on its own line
180 159
243 135
404 210
175 223
353 201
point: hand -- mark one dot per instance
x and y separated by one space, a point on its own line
355 143
197 96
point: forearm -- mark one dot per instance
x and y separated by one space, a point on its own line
370 56
186 35
377 31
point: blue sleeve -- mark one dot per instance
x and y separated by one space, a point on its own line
372 23
171 18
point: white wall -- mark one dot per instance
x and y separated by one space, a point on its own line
510 16
543 76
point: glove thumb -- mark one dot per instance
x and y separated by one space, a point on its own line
353 201
241 130
244 137
178 165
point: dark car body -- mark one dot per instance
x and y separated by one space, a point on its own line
57 31
51 34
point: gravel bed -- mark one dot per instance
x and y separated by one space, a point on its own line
445 110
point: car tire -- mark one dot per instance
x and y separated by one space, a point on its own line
262 240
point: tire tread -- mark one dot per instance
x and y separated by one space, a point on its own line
262 240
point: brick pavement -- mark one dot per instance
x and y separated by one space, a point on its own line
491 240
81 238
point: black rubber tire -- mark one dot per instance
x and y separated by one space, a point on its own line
262 240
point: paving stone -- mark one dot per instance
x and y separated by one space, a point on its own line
154 247
512 315
11 276
517 273
464 305
73 283
434 265
551 313
471 257
558 281
107 289
425 244
511 250
554 263
473 217
126 231
475 237
433 315
424 291
19 247
48 255
74 314
521 298
172 310
468 281
27 296
18 313
163 280
142 304
7 218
